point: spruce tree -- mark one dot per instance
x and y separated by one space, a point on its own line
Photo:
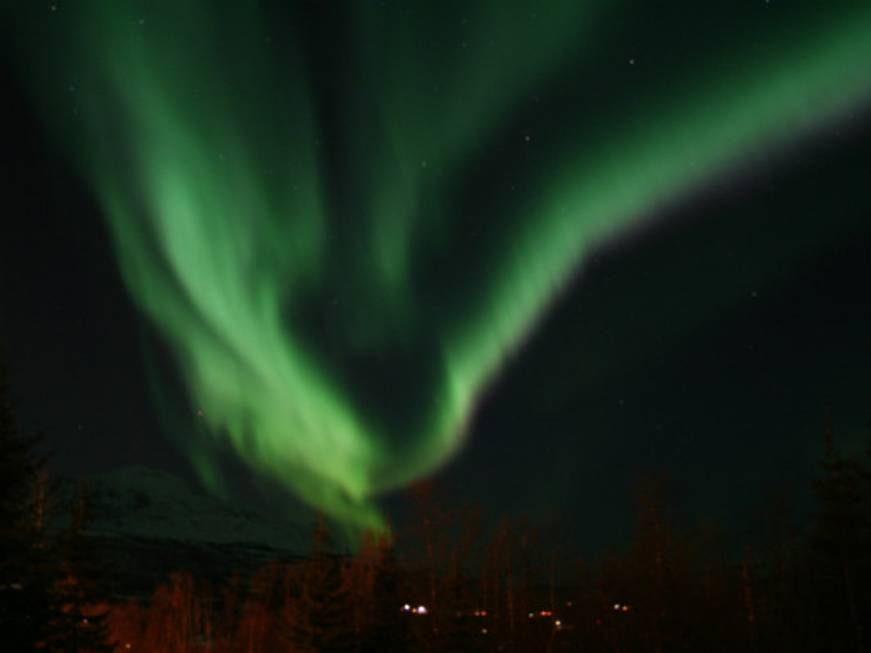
840 551
324 623
27 604
43 604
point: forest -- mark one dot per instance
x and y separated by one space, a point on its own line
446 582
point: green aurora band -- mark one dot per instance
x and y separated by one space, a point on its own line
297 214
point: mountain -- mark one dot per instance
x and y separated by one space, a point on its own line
144 524
151 503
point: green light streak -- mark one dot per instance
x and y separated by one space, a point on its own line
205 145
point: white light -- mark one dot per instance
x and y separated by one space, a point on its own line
421 609
406 607
616 606
558 623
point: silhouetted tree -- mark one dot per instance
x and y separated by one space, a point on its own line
389 630
28 605
652 569
840 551
43 604
459 626
178 618
81 624
324 620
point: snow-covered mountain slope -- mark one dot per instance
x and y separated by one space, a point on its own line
144 524
147 503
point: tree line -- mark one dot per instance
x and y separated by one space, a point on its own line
445 583
46 602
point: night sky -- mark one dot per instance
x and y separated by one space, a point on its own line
538 252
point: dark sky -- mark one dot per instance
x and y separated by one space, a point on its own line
712 348
711 344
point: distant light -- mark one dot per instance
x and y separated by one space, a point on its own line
558 623
421 609
616 606
625 608
546 613
568 604
484 631
406 607
531 615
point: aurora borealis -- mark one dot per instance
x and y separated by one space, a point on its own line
343 241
